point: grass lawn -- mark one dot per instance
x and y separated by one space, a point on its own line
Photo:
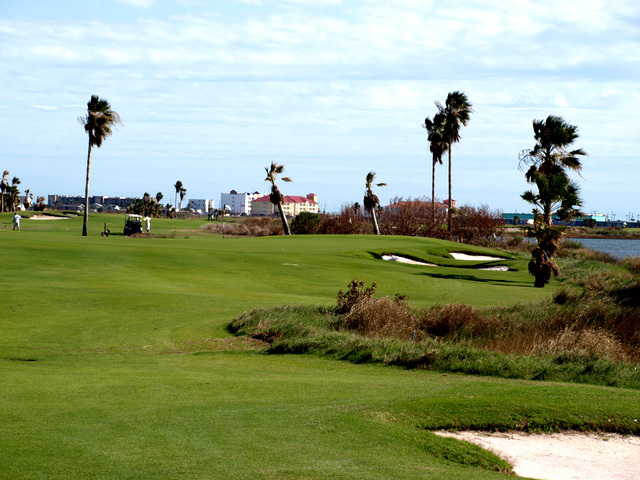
115 361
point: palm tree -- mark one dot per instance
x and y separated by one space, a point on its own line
437 146
556 195
4 185
456 111
183 193
28 199
178 187
276 196
14 194
98 122
542 265
371 200
549 161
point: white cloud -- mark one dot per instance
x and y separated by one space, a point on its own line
345 83
138 3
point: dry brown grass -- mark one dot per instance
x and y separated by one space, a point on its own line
381 317
248 227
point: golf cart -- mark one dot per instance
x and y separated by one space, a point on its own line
132 224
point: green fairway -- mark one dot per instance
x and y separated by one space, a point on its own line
115 361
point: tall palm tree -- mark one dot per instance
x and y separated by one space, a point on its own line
98 124
371 200
4 185
183 193
14 194
549 161
456 111
178 187
556 195
276 196
437 146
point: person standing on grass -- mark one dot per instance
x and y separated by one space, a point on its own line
16 221
147 223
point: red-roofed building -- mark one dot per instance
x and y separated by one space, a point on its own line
292 205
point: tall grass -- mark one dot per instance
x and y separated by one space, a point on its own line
586 334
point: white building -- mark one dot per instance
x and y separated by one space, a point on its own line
238 203
204 205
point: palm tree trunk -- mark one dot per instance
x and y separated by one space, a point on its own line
450 195
85 224
433 192
285 225
374 221
548 219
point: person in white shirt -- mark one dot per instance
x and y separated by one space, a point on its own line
16 221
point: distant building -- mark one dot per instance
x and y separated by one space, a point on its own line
291 206
238 203
203 205
73 202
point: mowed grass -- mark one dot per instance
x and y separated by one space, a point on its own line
115 362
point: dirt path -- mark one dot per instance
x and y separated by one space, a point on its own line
563 456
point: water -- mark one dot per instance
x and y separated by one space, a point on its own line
619 248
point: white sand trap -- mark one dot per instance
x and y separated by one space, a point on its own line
563 456
397 258
497 268
46 217
466 256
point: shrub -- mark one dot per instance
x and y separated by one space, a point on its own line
356 293
381 317
305 222
247 227
413 217
348 221
476 224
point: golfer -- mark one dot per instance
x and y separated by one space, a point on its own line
16 221
147 223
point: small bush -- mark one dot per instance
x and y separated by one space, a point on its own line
456 321
305 223
381 317
356 293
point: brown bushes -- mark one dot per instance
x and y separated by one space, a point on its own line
597 323
412 217
381 317
248 227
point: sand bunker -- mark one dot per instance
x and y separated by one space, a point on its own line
562 456
398 258
46 217
466 256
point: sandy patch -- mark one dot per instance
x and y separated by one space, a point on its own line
399 259
562 456
497 268
46 217
466 256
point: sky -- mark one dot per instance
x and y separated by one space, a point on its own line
211 92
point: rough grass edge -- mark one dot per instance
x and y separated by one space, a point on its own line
308 330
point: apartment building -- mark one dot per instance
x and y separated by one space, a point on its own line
238 203
203 205
292 205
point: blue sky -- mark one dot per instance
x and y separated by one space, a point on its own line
211 92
